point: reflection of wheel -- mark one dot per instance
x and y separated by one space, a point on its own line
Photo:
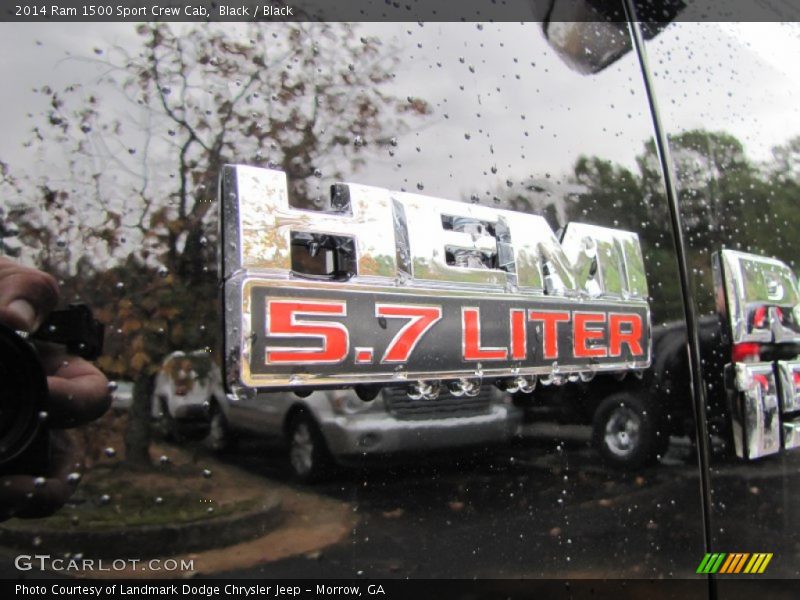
308 453
625 432
220 437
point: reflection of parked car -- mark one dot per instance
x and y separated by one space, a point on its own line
339 426
184 391
324 426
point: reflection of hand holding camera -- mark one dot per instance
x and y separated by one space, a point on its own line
43 390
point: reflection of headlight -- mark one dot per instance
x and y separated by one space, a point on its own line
346 402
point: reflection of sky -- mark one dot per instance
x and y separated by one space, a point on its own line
526 116
739 78
536 116
37 55
522 109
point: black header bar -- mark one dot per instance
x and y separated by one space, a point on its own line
392 10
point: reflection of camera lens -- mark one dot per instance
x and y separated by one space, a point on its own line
23 390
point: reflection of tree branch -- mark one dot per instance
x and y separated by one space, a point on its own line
316 108
219 142
147 202
163 98
183 191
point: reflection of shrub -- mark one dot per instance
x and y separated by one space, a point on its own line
131 501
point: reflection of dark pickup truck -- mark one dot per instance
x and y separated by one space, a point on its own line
633 419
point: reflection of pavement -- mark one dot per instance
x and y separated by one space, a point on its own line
310 523
757 506
541 508
555 431
537 509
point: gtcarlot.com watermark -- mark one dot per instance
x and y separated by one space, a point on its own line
46 562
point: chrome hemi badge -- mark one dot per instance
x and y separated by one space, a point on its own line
761 297
759 301
388 287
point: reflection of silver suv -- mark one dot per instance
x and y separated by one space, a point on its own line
338 426
328 425
185 389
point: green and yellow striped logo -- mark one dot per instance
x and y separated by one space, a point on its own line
735 562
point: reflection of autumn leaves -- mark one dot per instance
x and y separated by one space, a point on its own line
265 247
147 219
139 361
153 312
368 265
376 265
266 244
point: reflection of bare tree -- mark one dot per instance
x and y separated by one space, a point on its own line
304 99
137 151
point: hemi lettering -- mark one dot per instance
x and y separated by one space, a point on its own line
550 319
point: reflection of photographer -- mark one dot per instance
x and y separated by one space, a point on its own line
78 393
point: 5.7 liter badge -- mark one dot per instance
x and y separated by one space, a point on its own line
390 287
